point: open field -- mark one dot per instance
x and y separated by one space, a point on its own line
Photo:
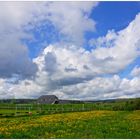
119 119
91 124
24 109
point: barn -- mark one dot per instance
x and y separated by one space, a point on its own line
48 99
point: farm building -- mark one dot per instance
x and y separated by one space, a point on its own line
48 99
52 99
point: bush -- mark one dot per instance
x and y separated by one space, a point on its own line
132 105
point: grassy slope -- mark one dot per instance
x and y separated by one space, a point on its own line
92 124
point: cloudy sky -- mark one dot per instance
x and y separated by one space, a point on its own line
74 50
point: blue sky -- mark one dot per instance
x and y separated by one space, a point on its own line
108 15
77 50
114 15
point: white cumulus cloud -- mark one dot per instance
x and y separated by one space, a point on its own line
65 68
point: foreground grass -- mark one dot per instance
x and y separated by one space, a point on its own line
92 124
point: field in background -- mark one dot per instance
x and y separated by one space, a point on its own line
91 124
34 109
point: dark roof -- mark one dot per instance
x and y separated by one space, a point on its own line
47 99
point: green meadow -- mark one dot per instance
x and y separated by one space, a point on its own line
90 124
117 119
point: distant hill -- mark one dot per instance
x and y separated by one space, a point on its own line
18 101
61 101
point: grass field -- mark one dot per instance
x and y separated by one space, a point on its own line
24 109
119 119
91 124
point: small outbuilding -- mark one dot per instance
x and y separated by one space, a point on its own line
48 99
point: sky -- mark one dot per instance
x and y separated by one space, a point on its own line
74 50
